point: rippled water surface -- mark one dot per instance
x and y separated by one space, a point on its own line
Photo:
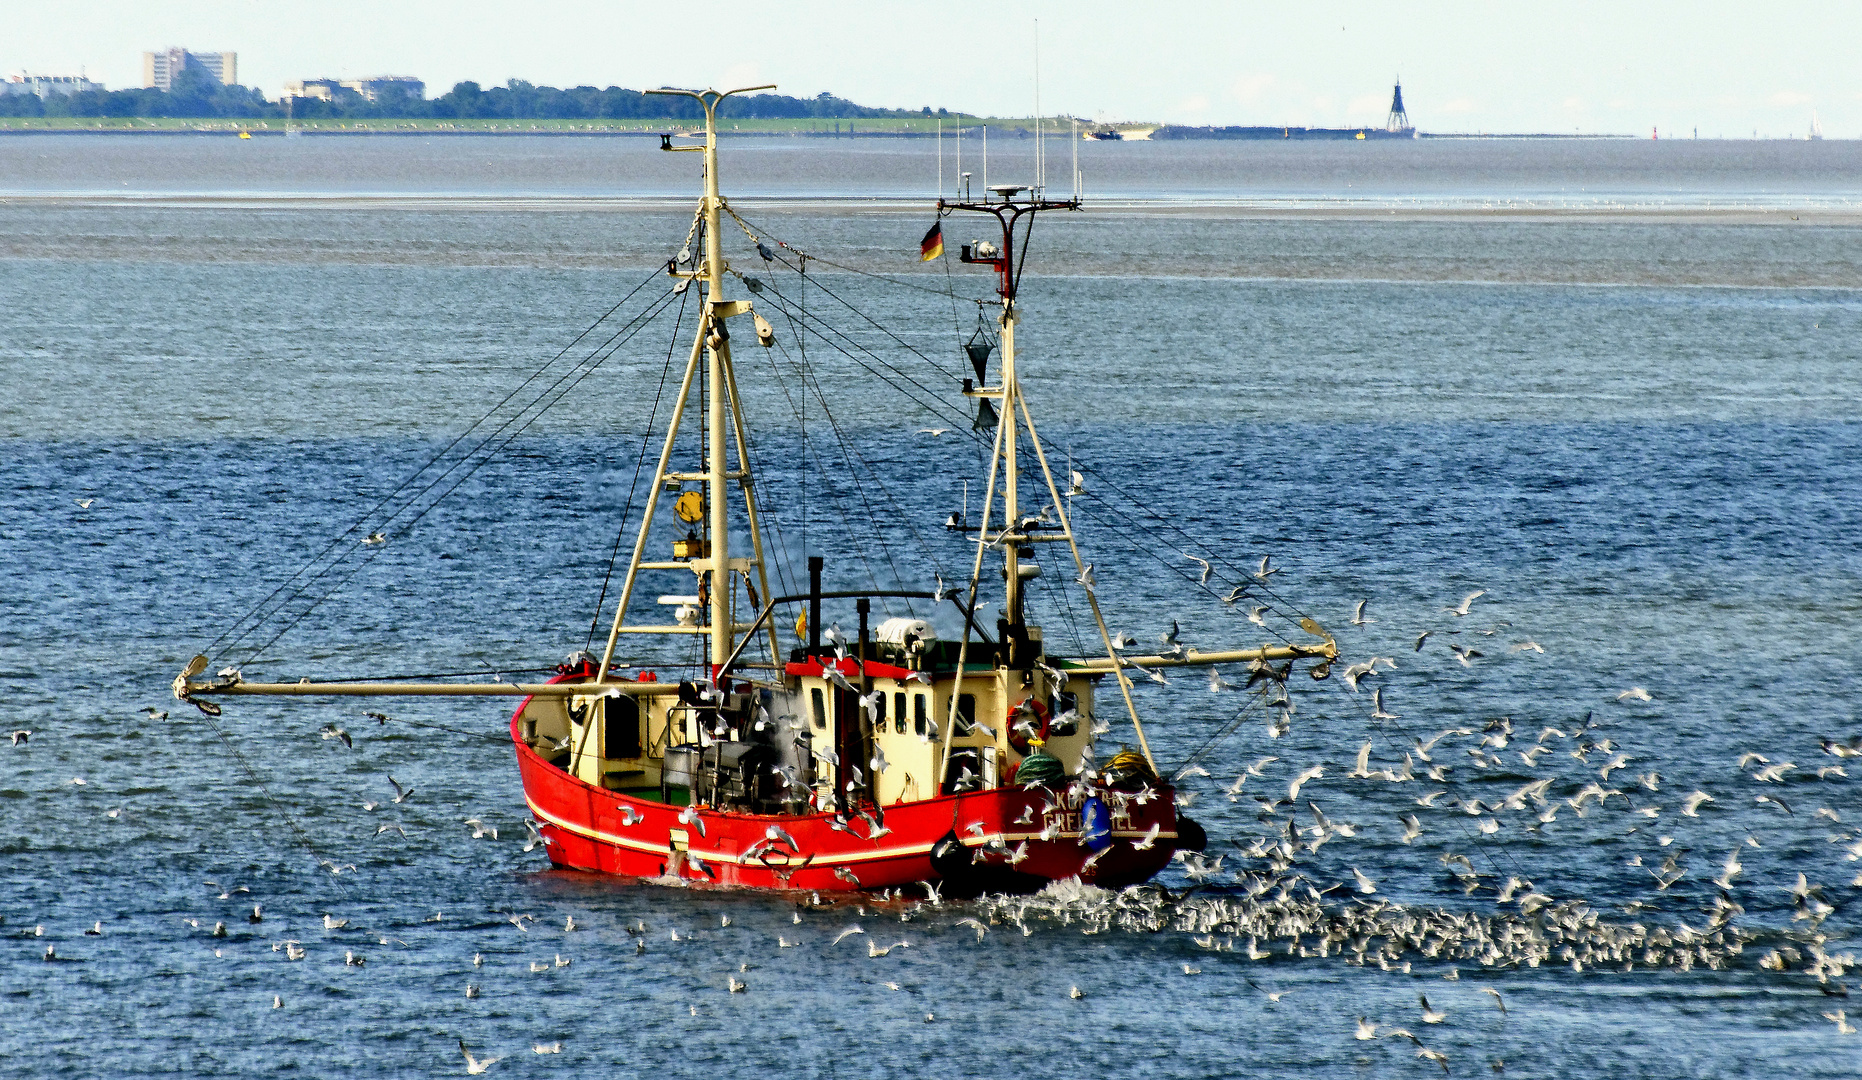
1640 437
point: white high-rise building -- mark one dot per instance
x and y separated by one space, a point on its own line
160 68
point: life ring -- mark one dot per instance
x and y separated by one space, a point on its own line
1018 736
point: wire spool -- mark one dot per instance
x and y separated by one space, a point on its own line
1129 771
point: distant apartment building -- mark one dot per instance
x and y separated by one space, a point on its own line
321 89
159 69
47 85
371 88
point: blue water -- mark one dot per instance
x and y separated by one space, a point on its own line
1640 439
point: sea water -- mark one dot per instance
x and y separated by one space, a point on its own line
1612 385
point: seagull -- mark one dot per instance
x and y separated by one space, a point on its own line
1464 654
475 1066
1434 1055
1078 480
401 794
19 737
1430 1015
153 712
975 925
1366 1030
1263 572
375 538
331 731
1843 1026
1462 608
689 816
1529 646
1365 885
1169 637
1422 637
277 1002
1377 706
934 432
1357 616
1634 693
1293 789
84 504
547 1048
1412 827
1690 806
1254 615
480 830
1204 563
1496 998
849 932
1073 992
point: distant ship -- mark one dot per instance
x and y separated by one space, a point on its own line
1816 127
1106 134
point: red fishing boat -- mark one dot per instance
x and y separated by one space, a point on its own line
803 756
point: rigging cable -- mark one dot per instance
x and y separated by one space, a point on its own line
646 442
558 388
412 477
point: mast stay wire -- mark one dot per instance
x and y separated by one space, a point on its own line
557 388
441 453
646 442
881 327
611 345
810 376
809 451
827 333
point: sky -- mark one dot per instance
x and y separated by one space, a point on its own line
1724 69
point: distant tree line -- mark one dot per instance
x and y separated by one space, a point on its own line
198 94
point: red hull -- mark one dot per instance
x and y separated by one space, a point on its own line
583 828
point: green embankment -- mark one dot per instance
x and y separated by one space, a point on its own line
221 125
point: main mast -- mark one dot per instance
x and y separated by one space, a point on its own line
708 558
1018 530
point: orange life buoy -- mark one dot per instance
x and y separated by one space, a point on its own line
1018 729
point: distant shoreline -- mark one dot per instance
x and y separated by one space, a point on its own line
1012 128
599 133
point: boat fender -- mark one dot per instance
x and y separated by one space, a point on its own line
1190 836
950 858
1034 726
1095 824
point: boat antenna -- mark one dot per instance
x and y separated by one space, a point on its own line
1040 161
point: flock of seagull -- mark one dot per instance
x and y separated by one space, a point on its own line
1274 900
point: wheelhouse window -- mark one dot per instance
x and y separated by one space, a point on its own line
921 713
898 713
966 714
820 707
620 731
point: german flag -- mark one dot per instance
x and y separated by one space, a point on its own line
932 245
